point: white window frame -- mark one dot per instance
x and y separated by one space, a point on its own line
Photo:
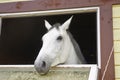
0 25
94 67
8 1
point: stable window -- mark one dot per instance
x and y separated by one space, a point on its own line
21 34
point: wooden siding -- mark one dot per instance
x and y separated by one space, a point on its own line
116 32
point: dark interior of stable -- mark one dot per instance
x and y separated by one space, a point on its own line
20 39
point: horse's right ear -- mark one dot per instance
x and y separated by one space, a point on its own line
47 25
66 24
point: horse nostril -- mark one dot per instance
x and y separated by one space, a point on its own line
43 64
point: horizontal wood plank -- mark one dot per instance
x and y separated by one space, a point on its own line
116 34
116 46
117 59
116 10
116 22
117 72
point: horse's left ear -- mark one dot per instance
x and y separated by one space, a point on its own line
47 25
66 24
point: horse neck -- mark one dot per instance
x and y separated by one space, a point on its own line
69 52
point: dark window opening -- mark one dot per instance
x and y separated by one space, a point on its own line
20 39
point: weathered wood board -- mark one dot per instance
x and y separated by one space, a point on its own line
54 74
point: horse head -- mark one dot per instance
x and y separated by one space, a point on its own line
56 48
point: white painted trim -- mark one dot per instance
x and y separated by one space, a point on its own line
49 12
20 66
0 25
98 39
64 11
14 66
9 1
93 73
78 65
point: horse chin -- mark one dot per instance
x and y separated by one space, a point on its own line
42 72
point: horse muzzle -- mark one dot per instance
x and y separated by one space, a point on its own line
42 67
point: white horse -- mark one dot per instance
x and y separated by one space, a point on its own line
59 47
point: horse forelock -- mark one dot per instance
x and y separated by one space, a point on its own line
57 25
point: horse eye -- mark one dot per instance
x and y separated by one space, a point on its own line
59 38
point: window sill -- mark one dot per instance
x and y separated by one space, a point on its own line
22 72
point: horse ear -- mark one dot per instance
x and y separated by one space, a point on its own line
47 25
66 24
